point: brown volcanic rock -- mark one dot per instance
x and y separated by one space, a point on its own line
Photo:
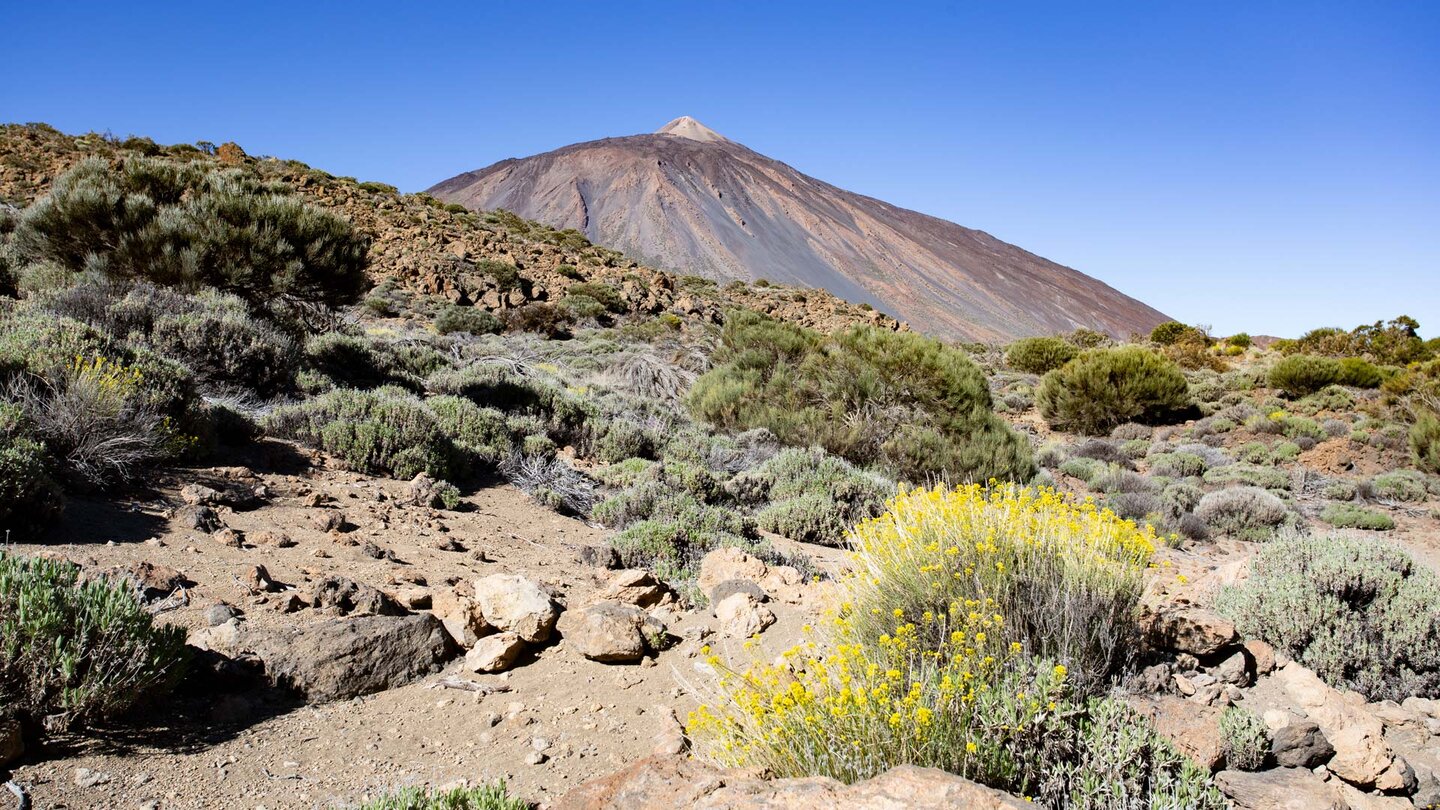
690 200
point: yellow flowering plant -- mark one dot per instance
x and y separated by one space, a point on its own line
1065 574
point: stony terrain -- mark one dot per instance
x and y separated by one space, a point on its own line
688 199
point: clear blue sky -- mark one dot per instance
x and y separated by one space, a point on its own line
1255 166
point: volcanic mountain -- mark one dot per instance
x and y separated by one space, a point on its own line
691 200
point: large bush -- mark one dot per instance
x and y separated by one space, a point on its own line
1244 512
1037 355
907 403
1302 374
1362 614
380 432
75 651
945 681
180 224
1104 388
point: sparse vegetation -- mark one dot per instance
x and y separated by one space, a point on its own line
486 797
1244 739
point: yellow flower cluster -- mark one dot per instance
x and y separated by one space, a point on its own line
860 708
110 377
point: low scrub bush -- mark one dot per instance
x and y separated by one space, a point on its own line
29 497
225 345
1302 374
905 403
1086 469
75 651
382 432
1249 475
1177 465
486 797
1352 516
1103 388
1245 513
1244 739
1037 355
1363 615
550 480
1400 485
467 320
815 497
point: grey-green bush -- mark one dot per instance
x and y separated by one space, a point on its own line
1037 355
1362 614
1301 374
382 432
1246 513
1353 516
75 652
1244 739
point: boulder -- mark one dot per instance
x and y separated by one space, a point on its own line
516 604
199 495
1193 727
741 616
1279 789
1188 630
1300 744
494 653
271 538
329 520
198 518
730 587
634 586
729 563
461 616
599 556
342 597
155 581
668 782
613 632
337 659
1262 654
1362 757
785 583
1427 788
1234 669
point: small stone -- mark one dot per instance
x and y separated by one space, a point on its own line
1184 685
535 758
258 578
197 518
233 538
1299 743
540 744
599 557
86 778
329 520
272 539
1234 669
494 653
730 587
1263 655
220 613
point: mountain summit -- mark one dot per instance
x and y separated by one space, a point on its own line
688 199
687 127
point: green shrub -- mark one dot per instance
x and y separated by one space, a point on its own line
1302 374
177 224
1086 469
76 652
487 797
1177 465
1245 513
909 404
815 497
1241 339
1244 739
483 433
1037 355
1351 516
570 271
627 473
224 345
505 275
1400 485
1297 427
546 319
1363 615
470 320
1425 443
355 361
381 432
29 497
603 294
1103 388
1248 475
1170 333
1360 373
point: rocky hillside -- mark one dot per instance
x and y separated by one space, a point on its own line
429 248
689 199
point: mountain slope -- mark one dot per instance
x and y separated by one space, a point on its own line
688 199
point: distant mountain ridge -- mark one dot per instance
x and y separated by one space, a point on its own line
686 198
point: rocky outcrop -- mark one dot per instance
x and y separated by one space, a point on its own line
667 783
